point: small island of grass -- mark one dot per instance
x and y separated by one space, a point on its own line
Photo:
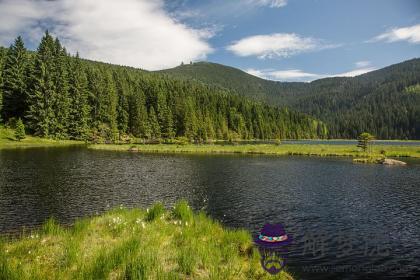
268 149
135 244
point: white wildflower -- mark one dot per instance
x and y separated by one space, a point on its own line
143 225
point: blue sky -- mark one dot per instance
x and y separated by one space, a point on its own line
288 40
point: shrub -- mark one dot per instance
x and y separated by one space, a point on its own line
20 130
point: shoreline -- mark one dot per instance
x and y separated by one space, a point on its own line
265 149
8 141
135 244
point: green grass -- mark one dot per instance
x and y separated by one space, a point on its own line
8 141
270 149
134 244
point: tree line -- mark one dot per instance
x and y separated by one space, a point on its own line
385 102
61 96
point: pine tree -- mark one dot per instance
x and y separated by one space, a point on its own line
122 113
1 83
14 81
79 106
154 124
111 102
61 104
43 92
364 141
20 130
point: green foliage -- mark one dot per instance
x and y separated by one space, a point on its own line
42 96
14 80
413 89
374 102
183 212
70 98
20 130
51 227
364 140
79 107
156 212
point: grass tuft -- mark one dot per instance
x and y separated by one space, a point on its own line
156 212
51 227
183 212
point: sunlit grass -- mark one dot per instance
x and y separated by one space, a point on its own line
271 149
134 244
8 141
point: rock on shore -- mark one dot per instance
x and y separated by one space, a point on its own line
389 161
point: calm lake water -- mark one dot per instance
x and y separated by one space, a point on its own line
348 221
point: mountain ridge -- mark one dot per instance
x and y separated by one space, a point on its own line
350 105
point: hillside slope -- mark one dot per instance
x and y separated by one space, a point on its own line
385 102
64 97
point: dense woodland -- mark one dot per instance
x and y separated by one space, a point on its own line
385 102
64 97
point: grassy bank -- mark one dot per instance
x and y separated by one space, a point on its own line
8 141
269 149
134 244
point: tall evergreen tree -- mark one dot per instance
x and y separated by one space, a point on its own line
61 104
1 83
154 124
79 106
41 115
14 81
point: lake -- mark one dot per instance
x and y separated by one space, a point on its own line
348 221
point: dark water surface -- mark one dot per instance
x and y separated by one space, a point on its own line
348 221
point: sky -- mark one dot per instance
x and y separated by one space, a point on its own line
284 40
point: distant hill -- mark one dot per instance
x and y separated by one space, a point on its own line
382 102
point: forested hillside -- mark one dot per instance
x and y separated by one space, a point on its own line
62 96
385 102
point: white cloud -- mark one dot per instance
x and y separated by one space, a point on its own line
296 75
283 75
270 3
355 72
410 34
137 33
275 45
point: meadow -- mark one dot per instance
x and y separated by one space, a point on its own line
8 141
134 244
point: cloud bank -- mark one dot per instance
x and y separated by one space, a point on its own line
410 34
136 33
297 75
275 45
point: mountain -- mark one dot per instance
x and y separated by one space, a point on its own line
385 102
226 77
